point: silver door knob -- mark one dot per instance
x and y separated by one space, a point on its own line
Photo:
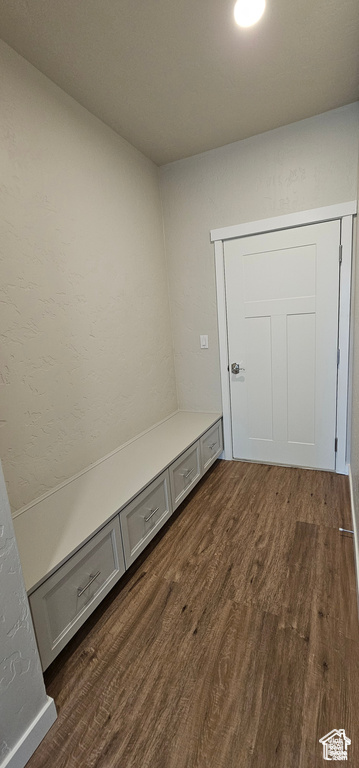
235 368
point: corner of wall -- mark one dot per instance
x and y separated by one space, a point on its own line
355 529
33 736
168 289
26 712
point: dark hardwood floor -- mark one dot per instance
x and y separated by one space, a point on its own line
233 643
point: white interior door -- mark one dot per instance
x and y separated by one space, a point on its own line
282 312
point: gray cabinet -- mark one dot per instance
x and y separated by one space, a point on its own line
185 473
67 596
211 445
65 600
146 514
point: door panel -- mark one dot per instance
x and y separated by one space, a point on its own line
282 314
260 423
301 378
295 266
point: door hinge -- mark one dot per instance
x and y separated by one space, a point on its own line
340 254
338 357
336 445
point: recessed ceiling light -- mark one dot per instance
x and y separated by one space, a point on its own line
248 12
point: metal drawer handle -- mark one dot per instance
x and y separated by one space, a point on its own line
187 473
153 512
92 578
212 446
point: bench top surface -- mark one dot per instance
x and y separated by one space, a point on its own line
52 528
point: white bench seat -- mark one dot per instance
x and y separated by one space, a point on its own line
54 527
77 540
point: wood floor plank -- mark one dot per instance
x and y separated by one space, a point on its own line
335 592
232 643
260 576
300 583
223 716
331 692
321 498
279 736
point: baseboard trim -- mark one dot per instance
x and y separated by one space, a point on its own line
30 740
355 529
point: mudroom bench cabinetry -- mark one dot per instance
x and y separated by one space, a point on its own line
79 539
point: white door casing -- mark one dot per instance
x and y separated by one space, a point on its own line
343 213
282 314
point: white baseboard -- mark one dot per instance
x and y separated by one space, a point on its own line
355 529
30 740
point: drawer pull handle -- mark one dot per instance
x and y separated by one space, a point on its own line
153 512
212 446
92 578
187 473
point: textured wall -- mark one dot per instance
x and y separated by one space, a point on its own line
22 691
354 453
86 351
305 165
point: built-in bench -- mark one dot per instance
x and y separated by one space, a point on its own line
78 540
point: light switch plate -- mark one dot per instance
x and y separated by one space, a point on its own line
203 341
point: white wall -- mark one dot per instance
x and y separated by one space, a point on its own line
306 165
86 350
22 691
354 410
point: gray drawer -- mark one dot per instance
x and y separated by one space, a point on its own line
65 600
211 445
185 473
144 516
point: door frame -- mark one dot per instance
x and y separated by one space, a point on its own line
344 212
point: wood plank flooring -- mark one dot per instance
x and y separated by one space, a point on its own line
233 643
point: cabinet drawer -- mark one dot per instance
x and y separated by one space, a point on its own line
144 516
65 600
211 445
184 474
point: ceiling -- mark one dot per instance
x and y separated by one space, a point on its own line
179 78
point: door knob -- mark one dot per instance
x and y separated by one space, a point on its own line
235 368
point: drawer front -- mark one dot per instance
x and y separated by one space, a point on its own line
63 602
144 516
211 445
184 474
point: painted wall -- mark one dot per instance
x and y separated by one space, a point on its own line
86 349
354 453
22 690
306 165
